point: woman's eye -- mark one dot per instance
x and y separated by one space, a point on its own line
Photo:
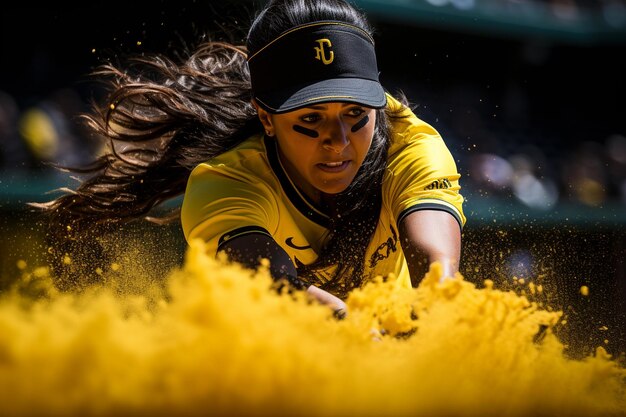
310 118
356 112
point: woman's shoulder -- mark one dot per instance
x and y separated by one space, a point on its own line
248 159
405 126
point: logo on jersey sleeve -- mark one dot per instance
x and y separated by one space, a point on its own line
440 184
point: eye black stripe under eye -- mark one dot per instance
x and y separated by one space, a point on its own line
360 124
309 132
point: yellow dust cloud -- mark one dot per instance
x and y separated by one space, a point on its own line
218 340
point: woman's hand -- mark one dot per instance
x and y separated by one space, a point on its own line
326 298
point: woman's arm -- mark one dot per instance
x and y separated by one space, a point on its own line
428 236
248 250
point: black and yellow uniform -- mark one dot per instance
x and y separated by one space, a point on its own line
247 190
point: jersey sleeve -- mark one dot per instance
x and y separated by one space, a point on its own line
421 173
221 203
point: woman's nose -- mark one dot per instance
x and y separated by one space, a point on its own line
336 139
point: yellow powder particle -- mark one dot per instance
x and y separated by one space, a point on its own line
41 272
66 259
115 266
21 264
584 290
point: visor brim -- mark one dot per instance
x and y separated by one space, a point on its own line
346 90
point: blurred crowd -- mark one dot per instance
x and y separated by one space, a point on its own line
591 173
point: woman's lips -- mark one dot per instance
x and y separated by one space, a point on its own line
333 166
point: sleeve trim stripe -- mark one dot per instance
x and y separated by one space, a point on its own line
432 205
228 236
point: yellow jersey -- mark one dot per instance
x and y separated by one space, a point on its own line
247 190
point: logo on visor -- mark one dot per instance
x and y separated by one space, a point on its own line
320 51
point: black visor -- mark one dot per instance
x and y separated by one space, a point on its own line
316 63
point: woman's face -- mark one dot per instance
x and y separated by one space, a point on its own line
322 146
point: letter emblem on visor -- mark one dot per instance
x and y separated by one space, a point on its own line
320 52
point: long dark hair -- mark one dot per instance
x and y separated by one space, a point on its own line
162 118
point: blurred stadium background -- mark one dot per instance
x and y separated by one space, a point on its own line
528 94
